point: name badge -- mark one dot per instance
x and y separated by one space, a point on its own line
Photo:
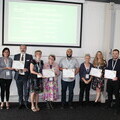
7 73
51 79
87 76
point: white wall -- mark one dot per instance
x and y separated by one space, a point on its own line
92 40
117 27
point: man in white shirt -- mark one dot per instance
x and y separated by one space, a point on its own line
68 62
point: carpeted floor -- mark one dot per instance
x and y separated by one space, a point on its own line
86 112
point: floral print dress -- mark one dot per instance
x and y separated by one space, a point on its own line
51 87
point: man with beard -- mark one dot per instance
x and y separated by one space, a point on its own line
113 84
68 62
22 76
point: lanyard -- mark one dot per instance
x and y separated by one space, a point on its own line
6 62
87 68
68 62
39 66
114 64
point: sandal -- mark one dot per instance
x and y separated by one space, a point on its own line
33 109
2 105
37 109
7 106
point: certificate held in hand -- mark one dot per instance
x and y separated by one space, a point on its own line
96 72
48 73
68 73
110 74
18 64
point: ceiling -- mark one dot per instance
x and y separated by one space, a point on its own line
115 1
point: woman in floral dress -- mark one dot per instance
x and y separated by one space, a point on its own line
50 85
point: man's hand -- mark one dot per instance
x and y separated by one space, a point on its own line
115 79
25 70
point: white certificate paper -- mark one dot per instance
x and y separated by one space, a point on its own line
68 73
18 64
110 74
96 72
48 73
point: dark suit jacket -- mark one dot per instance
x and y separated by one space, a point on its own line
117 67
28 59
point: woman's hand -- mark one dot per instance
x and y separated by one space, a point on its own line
39 75
8 68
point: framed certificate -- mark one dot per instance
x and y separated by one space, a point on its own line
96 72
68 73
48 73
18 64
110 74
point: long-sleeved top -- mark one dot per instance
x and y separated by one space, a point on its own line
83 71
27 59
5 74
116 68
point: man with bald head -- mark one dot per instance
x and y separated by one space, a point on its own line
22 76
68 62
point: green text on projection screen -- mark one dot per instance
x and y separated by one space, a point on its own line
42 23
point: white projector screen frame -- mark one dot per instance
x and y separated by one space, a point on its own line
5 25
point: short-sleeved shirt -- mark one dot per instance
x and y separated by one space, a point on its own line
71 63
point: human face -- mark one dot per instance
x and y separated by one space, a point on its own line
69 53
38 55
99 55
6 53
115 54
51 60
87 59
23 49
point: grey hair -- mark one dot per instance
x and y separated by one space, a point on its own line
87 55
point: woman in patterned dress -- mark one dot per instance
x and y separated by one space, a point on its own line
36 85
98 83
50 85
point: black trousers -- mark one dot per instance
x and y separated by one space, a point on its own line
84 88
70 86
5 88
113 88
23 89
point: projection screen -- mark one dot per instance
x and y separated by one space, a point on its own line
42 23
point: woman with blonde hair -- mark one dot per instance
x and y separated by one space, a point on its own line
98 83
36 84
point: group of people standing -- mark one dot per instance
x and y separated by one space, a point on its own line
30 80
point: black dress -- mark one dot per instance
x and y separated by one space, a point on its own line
36 84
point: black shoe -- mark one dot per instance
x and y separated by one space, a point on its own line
47 105
95 103
63 106
81 104
26 106
51 105
20 106
70 106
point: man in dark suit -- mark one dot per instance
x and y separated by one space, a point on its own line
22 76
113 84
